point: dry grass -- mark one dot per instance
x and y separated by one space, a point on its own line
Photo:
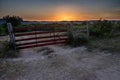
110 44
6 51
45 50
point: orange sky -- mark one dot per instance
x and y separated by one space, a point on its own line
61 10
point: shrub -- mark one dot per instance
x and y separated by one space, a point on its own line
77 39
3 30
101 28
15 20
6 51
70 39
117 27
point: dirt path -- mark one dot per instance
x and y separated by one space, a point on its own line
61 63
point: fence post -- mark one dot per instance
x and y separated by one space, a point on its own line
11 35
88 33
70 33
70 29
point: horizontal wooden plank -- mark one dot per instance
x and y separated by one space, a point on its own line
41 37
43 41
31 46
36 33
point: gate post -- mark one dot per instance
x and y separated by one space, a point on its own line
88 32
11 36
70 29
70 33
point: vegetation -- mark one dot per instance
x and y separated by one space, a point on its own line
77 39
109 44
102 29
6 51
14 20
104 35
3 30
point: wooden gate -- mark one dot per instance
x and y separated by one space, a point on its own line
42 35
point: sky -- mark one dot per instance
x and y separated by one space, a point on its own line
61 10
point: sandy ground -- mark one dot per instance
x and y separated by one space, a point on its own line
61 63
4 38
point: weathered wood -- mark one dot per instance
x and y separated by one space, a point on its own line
41 37
70 30
51 40
39 45
88 33
11 35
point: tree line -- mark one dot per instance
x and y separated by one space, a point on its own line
14 20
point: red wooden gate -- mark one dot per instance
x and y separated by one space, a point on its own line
35 36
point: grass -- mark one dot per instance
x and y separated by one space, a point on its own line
6 51
79 39
110 44
45 50
3 30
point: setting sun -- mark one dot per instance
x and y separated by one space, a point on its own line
64 18
61 10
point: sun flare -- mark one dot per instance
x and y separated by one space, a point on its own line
65 17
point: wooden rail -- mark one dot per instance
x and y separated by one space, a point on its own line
43 35
38 45
52 40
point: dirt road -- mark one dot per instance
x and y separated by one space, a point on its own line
61 63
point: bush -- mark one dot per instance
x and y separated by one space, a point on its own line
117 27
77 39
101 28
3 30
15 20
6 51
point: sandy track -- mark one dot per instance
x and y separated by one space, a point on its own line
62 63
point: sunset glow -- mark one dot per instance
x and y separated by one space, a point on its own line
61 10
65 17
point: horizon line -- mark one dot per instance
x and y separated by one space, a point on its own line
69 20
